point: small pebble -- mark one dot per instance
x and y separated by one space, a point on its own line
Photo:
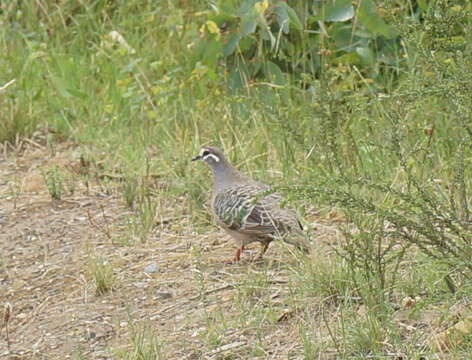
151 268
163 295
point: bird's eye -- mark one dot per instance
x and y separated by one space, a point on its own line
205 153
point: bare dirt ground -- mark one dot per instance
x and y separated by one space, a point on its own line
45 252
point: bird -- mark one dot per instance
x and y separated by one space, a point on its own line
247 209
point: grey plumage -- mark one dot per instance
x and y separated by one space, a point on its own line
247 209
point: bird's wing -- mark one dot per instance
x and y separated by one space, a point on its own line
250 210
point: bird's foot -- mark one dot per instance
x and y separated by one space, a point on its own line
237 256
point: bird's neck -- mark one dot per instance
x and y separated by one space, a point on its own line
225 175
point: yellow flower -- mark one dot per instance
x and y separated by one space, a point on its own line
212 27
261 6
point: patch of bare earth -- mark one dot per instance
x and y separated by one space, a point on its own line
176 284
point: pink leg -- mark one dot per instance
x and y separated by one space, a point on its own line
237 255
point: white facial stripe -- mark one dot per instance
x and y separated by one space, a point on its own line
214 157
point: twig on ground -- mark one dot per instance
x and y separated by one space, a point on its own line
4 87
224 287
185 301
215 354
104 229
6 319
32 142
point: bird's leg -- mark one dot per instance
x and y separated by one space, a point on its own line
237 255
265 246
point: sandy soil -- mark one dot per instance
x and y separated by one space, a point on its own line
46 248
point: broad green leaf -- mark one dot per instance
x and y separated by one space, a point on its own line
238 76
231 44
246 7
227 9
364 34
213 50
342 35
367 55
246 43
235 79
282 17
274 74
248 24
292 15
254 67
369 17
340 10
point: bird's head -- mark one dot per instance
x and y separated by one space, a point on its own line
211 155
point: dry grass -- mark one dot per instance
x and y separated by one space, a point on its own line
191 306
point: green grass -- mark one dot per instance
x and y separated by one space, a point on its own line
55 182
145 345
101 272
396 164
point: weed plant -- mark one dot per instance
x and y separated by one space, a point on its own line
101 271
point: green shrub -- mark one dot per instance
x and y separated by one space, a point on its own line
293 42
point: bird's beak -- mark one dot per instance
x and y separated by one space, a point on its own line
199 157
